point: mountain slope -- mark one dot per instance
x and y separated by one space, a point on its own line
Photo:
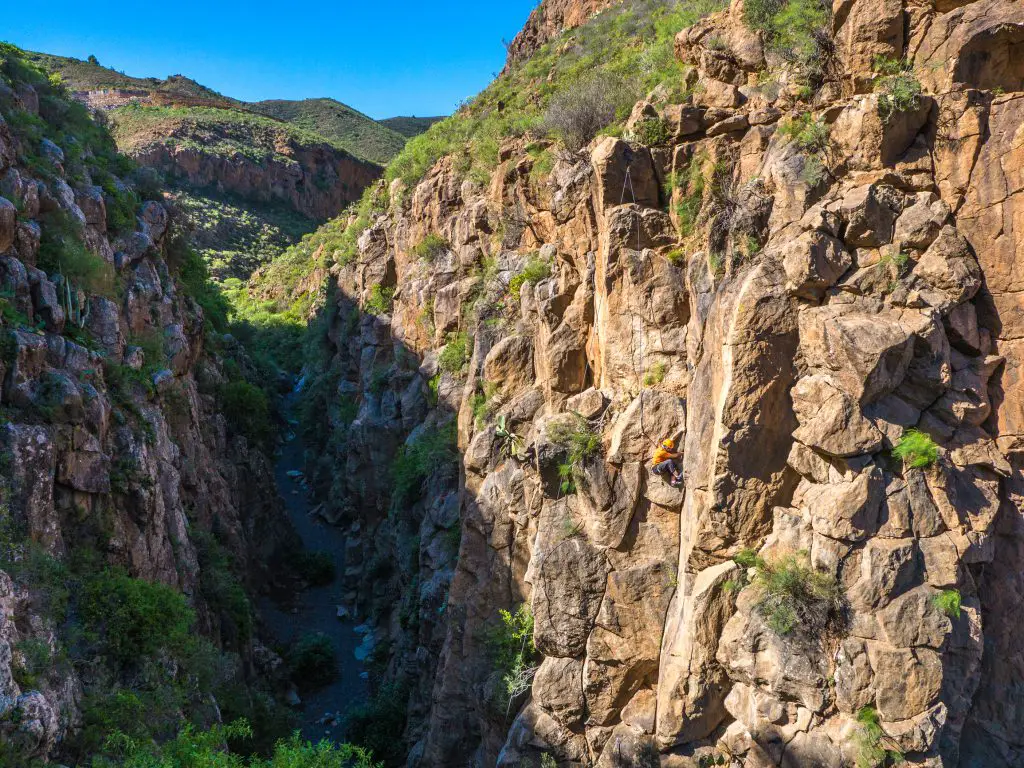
81 75
338 123
410 126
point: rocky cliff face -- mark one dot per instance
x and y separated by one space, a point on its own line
548 20
246 156
115 448
789 285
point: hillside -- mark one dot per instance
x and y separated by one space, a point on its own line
81 75
338 123
410 127
783 239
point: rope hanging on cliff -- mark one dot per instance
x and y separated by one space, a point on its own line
627 182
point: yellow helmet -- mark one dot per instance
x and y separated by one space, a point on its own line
669 443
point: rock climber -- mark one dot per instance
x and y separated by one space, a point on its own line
664 461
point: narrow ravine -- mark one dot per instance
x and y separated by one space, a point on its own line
315 609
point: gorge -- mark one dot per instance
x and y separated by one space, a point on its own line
785 234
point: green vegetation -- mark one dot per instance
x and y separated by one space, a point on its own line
90 75
432 451
949 602
916 449
339 124
793 30
133 618
793 595
513 652
313 661
807 133
411 126
575 435
655 375
870 753
247 410
234 236
430 247
483 404
62 251
32 661
812 139
898 87
454 356
381 300
378 723
651 131
625 51
316 568
536 269
194 748
222 587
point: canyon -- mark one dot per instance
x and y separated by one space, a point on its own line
791 246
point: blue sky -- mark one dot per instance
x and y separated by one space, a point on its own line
385 58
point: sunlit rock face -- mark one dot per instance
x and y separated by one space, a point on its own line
829 296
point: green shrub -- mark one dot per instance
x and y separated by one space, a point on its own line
313 661
195 748
223 590
655 375
454 356
792 29
247 410
62 251
807 133
316 568
430 247
379 723
433 451
948 601
536 269
676 257
898 88
793 595
916 449
381 300
651 131
513 652
575 435
133 618
869 751
33 661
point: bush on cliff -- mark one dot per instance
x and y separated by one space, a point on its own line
134 618
793 595
247 410
916 449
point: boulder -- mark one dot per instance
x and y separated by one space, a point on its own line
830 421
870 214
612 158
813 262
948 273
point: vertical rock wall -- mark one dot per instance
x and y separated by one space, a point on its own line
787 344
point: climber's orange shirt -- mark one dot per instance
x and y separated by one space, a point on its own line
662 454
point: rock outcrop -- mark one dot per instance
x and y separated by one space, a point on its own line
828 297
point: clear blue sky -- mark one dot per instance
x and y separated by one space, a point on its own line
383 57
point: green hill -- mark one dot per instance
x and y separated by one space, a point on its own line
339 124
81 75
410 127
